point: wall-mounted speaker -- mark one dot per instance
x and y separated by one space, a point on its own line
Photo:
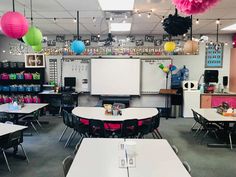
190 85
225 81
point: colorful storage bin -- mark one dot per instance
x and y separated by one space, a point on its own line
20 88
28 76
29 88
6 64
5 88
19 76
36 76
13 88
12 76
13 64
20 65
36 88
4 76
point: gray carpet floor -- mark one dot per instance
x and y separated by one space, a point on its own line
46 153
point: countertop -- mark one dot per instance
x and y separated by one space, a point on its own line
220 94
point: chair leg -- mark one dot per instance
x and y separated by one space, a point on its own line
5 157
193 126
204 136
39 124
230 141
23 150
63 132
68 140
159 134
34 127
198 131
153 135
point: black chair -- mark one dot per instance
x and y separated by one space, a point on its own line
119 105
196 118
80 128
232 130
208 127
4 117
155 126
67 120
66 164
145 128
96 128
29 120
12 140
67 102
130 128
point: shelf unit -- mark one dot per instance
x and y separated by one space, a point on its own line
9 82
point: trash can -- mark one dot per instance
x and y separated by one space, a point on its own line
175 111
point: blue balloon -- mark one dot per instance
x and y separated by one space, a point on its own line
77 47
173 67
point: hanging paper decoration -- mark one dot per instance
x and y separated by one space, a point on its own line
77 47
34 37
190 7
190 47
37 48
14 25
169 46
167 69
176 25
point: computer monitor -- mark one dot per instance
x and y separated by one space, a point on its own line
211 76
70 82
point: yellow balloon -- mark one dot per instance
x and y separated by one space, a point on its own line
169 46
165 69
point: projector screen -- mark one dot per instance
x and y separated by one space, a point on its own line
115 76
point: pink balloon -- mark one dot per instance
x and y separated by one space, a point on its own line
190 7
0 24
14 25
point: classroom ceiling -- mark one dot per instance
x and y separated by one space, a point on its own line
65 11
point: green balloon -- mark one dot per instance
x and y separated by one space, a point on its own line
37 48
33 37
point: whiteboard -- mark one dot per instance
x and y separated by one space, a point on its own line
79 69
115 76
152 77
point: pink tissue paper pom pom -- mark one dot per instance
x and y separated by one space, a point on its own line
190 7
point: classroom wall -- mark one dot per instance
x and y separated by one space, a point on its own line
195 64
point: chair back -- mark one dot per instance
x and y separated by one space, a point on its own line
67 99
119 105
196 116
130 128
4 117
79 126
96 128
67 119
203 121
13 140
36 114
156 121
146 127
66 164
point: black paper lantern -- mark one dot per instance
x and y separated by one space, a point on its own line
176 25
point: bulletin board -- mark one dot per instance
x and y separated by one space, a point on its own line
79 68
214 58
152 77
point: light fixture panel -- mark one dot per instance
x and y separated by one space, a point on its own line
230 28
119 27
116 5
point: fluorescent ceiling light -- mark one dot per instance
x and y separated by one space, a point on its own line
116 5
120 26
230 28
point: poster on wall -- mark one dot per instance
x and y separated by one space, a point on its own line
34 61
214 55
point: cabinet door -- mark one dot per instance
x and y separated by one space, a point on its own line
205 101
217 100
